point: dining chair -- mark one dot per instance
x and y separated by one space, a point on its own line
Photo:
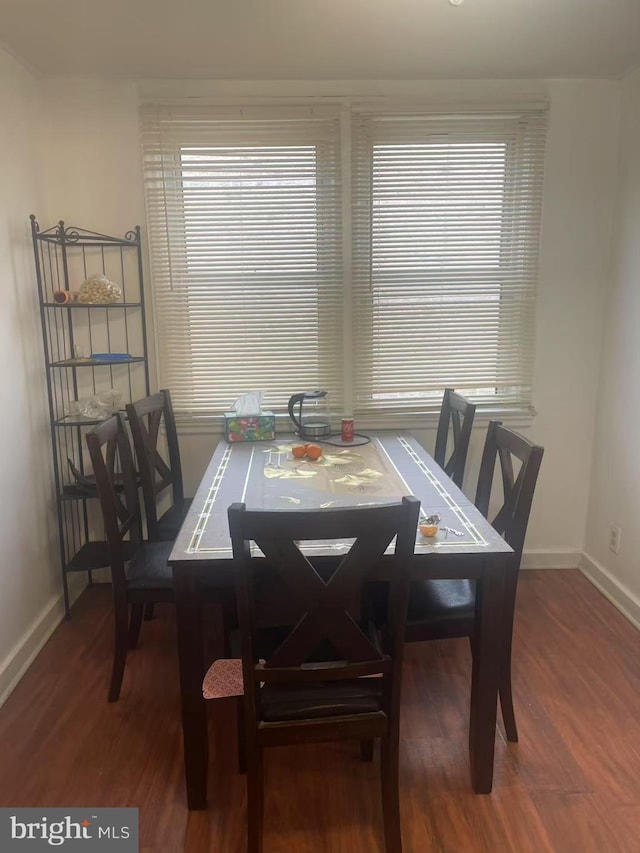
441 609
139 572
315 681
145 418
456 416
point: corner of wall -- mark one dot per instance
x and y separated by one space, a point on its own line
616 592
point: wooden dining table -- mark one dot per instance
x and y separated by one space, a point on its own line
267 476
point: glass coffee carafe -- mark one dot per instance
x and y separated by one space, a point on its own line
310 414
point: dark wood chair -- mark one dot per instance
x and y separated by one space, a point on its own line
147 579
456 416
311 685
439 609
145 418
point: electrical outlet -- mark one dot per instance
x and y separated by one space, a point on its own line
615 532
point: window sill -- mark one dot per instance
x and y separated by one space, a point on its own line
514 418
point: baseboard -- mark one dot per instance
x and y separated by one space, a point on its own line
20 658
622 598
551 560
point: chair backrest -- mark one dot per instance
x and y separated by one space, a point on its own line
504 444
145 418
456 413
321 602
115 474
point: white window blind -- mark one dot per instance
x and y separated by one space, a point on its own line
250 285
244 220
445 249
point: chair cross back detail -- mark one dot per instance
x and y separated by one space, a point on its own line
120 506
319 610
512 517
150 435
456 415
145 419
325 606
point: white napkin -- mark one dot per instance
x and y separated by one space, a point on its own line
249 404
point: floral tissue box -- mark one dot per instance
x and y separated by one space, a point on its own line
249 427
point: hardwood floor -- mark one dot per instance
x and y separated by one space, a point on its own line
572 784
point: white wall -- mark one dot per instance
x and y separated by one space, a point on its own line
90 136
96 182
30 591
615 478
577 222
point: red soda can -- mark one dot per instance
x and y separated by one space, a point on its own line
347 429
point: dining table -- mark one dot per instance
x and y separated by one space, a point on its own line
266 475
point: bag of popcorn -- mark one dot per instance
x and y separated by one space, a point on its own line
98 290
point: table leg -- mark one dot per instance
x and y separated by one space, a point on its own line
487 660
191 663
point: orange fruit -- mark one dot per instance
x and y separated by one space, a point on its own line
298 451
314 451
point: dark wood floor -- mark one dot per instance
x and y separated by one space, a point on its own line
572 784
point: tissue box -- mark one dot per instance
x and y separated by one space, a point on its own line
249 427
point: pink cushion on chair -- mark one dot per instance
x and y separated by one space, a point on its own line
223 679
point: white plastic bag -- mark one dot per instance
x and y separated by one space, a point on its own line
98 407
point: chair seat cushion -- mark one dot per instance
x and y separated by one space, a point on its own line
148 569
282 702
437 601
168 525
432 603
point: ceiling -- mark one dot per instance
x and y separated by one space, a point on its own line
324 39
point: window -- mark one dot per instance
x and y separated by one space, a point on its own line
445 259
244 213
247 210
